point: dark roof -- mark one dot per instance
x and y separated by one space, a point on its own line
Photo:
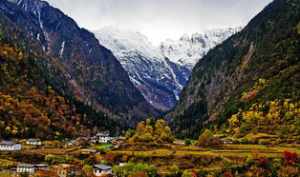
103 134
41 165
24 165
33 140
7 143
102 167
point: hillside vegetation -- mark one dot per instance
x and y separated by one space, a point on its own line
252 79
30 105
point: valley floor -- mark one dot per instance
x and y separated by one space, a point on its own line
201 159
167 159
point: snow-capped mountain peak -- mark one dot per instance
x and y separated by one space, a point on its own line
126 41
159 80
189 49
160 73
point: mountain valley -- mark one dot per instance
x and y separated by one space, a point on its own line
160 73
109 103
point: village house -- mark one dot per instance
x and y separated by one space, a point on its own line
43 167
65 170
10 146
102 170
34 142
31 168
26 168
88 151
102 137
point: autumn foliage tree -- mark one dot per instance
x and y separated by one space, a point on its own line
207 139
29 106
147 131
279 117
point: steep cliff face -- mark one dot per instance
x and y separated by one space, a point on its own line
266 51
94 76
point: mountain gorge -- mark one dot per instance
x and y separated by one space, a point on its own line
252 79
74 65
160 73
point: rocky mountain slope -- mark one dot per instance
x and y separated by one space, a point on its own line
159 73
252 79
151 73
30 103
76 66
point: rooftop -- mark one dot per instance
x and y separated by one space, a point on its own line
25 165
7 143
33 139
103 134
102 167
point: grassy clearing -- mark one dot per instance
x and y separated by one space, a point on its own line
103 147
4 164
6 174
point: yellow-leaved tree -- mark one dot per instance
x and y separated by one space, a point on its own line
149 131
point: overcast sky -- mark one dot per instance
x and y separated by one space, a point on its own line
161 19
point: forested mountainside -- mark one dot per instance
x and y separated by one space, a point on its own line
252 79
31 101
90 73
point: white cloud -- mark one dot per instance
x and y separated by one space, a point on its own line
161 19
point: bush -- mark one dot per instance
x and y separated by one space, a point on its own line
129 133
188 173
88 170
207 139
53 159
174 171
188 142
286 171
132 169
290 157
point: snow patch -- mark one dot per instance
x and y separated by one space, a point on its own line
62 49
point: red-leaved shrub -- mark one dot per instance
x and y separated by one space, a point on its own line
290 157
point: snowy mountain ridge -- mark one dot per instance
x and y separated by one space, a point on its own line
189 49
160 73
124 41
